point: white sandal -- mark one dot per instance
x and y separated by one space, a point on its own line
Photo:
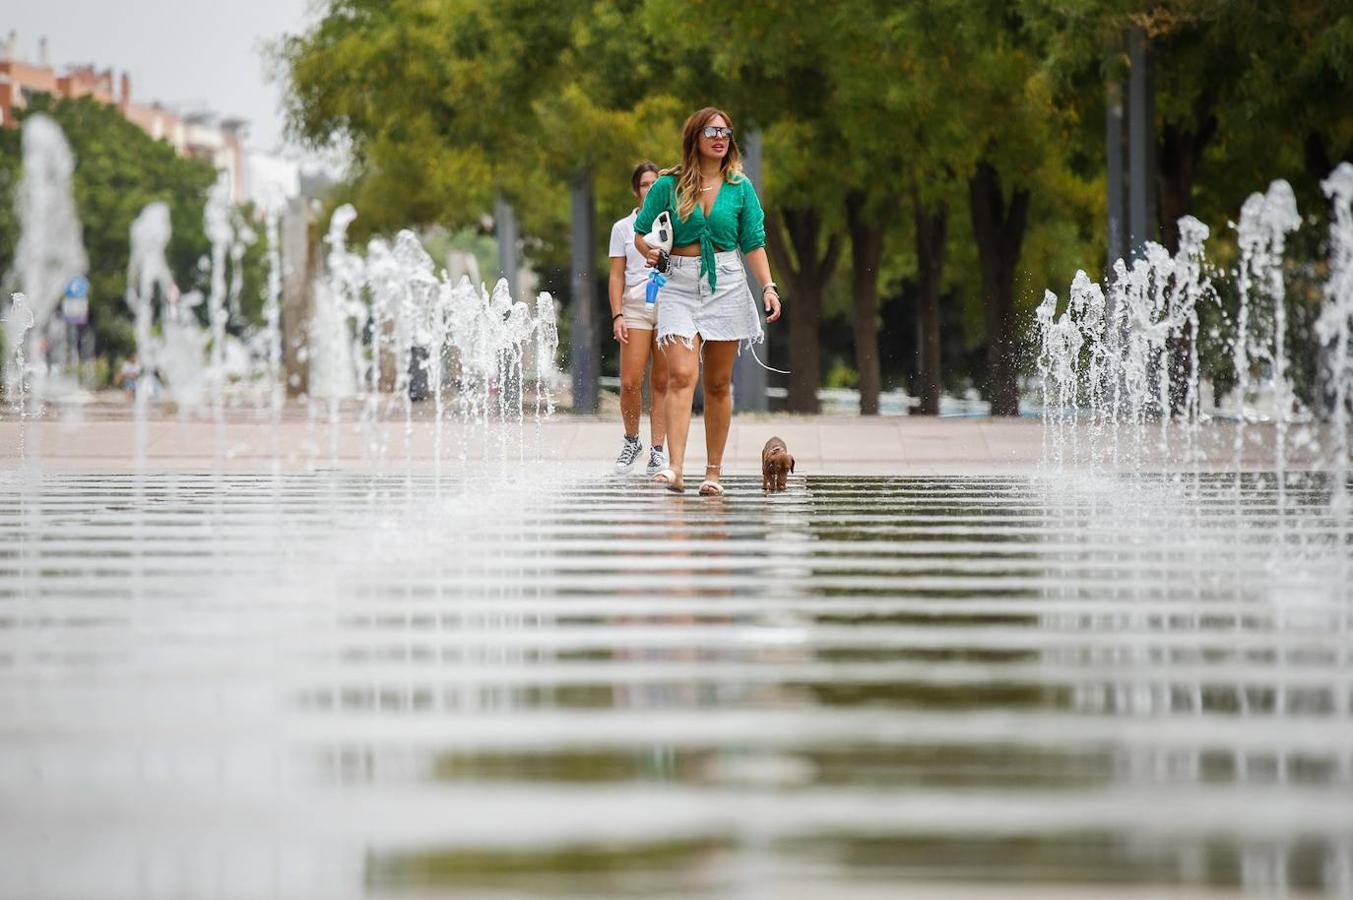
711 488
667 478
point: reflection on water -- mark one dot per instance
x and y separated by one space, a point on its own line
334 685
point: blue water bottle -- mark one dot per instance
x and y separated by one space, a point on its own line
655 282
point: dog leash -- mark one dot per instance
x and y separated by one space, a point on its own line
752 349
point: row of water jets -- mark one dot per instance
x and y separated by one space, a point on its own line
384 326
389 323
1119 364
189 362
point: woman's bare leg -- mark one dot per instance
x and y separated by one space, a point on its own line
633 361
683 367
719 356
657 386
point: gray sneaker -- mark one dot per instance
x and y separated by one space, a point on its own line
657 461
630 452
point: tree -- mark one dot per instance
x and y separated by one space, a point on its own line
444 105
1244 91
867 228
931 229
998 225
871 69
1011 128
928 96
907 116
800 249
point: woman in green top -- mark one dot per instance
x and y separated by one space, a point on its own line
706 310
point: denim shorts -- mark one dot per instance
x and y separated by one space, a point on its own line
687 306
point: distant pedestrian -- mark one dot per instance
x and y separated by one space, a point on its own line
129 375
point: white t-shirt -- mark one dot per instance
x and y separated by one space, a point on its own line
622 244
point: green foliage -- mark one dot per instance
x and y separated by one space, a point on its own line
11 154
447 103
254 291
841 375
444 105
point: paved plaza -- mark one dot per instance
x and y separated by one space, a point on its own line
105 436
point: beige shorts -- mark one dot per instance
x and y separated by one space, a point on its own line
637 313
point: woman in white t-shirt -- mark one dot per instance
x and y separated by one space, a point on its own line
634 324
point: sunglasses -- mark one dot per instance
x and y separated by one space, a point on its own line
712 132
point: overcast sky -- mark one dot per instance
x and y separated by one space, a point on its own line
187 54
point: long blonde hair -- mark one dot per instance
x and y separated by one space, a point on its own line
688 172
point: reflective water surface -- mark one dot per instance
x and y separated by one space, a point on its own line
339 685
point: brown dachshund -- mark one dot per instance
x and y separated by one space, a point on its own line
776 464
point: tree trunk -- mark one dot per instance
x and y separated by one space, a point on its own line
1316 155
1000 234
805 355
807 271
1320 159
931 235
866 253
1177 157
1181 149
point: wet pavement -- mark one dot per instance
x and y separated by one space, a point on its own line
338 684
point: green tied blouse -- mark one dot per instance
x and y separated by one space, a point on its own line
735 220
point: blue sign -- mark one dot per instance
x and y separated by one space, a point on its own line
77 288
